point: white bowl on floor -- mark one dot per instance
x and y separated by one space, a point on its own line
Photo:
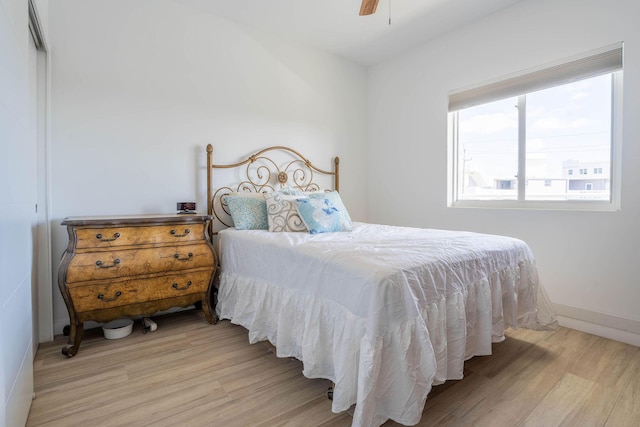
118 328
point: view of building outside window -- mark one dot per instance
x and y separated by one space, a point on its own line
568 145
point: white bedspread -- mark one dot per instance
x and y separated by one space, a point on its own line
383 312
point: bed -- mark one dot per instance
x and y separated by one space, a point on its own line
384 312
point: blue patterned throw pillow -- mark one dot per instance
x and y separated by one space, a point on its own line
334 198
319 215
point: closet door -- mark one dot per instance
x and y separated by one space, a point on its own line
18 165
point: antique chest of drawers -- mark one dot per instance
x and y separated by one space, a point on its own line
121 266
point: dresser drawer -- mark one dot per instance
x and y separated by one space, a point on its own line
125 292
132 262
107 237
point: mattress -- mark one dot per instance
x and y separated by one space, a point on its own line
384 312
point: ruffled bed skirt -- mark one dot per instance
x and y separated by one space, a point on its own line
386 376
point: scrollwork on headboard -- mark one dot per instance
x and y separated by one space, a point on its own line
263 174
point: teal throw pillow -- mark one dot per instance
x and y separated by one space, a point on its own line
248 213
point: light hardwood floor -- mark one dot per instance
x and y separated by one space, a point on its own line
190 373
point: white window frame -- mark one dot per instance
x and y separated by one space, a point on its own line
550 75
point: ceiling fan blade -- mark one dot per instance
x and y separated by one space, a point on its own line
368 7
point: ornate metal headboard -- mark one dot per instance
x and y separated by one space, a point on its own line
263 174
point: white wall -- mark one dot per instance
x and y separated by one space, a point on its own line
18 193
587 260
139 89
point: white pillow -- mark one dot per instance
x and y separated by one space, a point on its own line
282 213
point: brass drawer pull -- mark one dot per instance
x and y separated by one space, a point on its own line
101 265
186 231
115 236
117 295
178 288
187 258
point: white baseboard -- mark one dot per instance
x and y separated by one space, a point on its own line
601 324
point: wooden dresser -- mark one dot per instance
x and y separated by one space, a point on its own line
121 266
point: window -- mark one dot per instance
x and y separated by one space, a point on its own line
516 142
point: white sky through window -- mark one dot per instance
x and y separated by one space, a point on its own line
567 126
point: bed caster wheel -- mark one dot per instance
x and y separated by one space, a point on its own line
330 393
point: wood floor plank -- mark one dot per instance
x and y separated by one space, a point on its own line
564 403
191 373
608 362
318 411
515 392
152 407
268 402
626 411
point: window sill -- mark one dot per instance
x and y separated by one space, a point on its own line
565 205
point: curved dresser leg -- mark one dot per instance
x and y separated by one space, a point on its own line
209 314
75 337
